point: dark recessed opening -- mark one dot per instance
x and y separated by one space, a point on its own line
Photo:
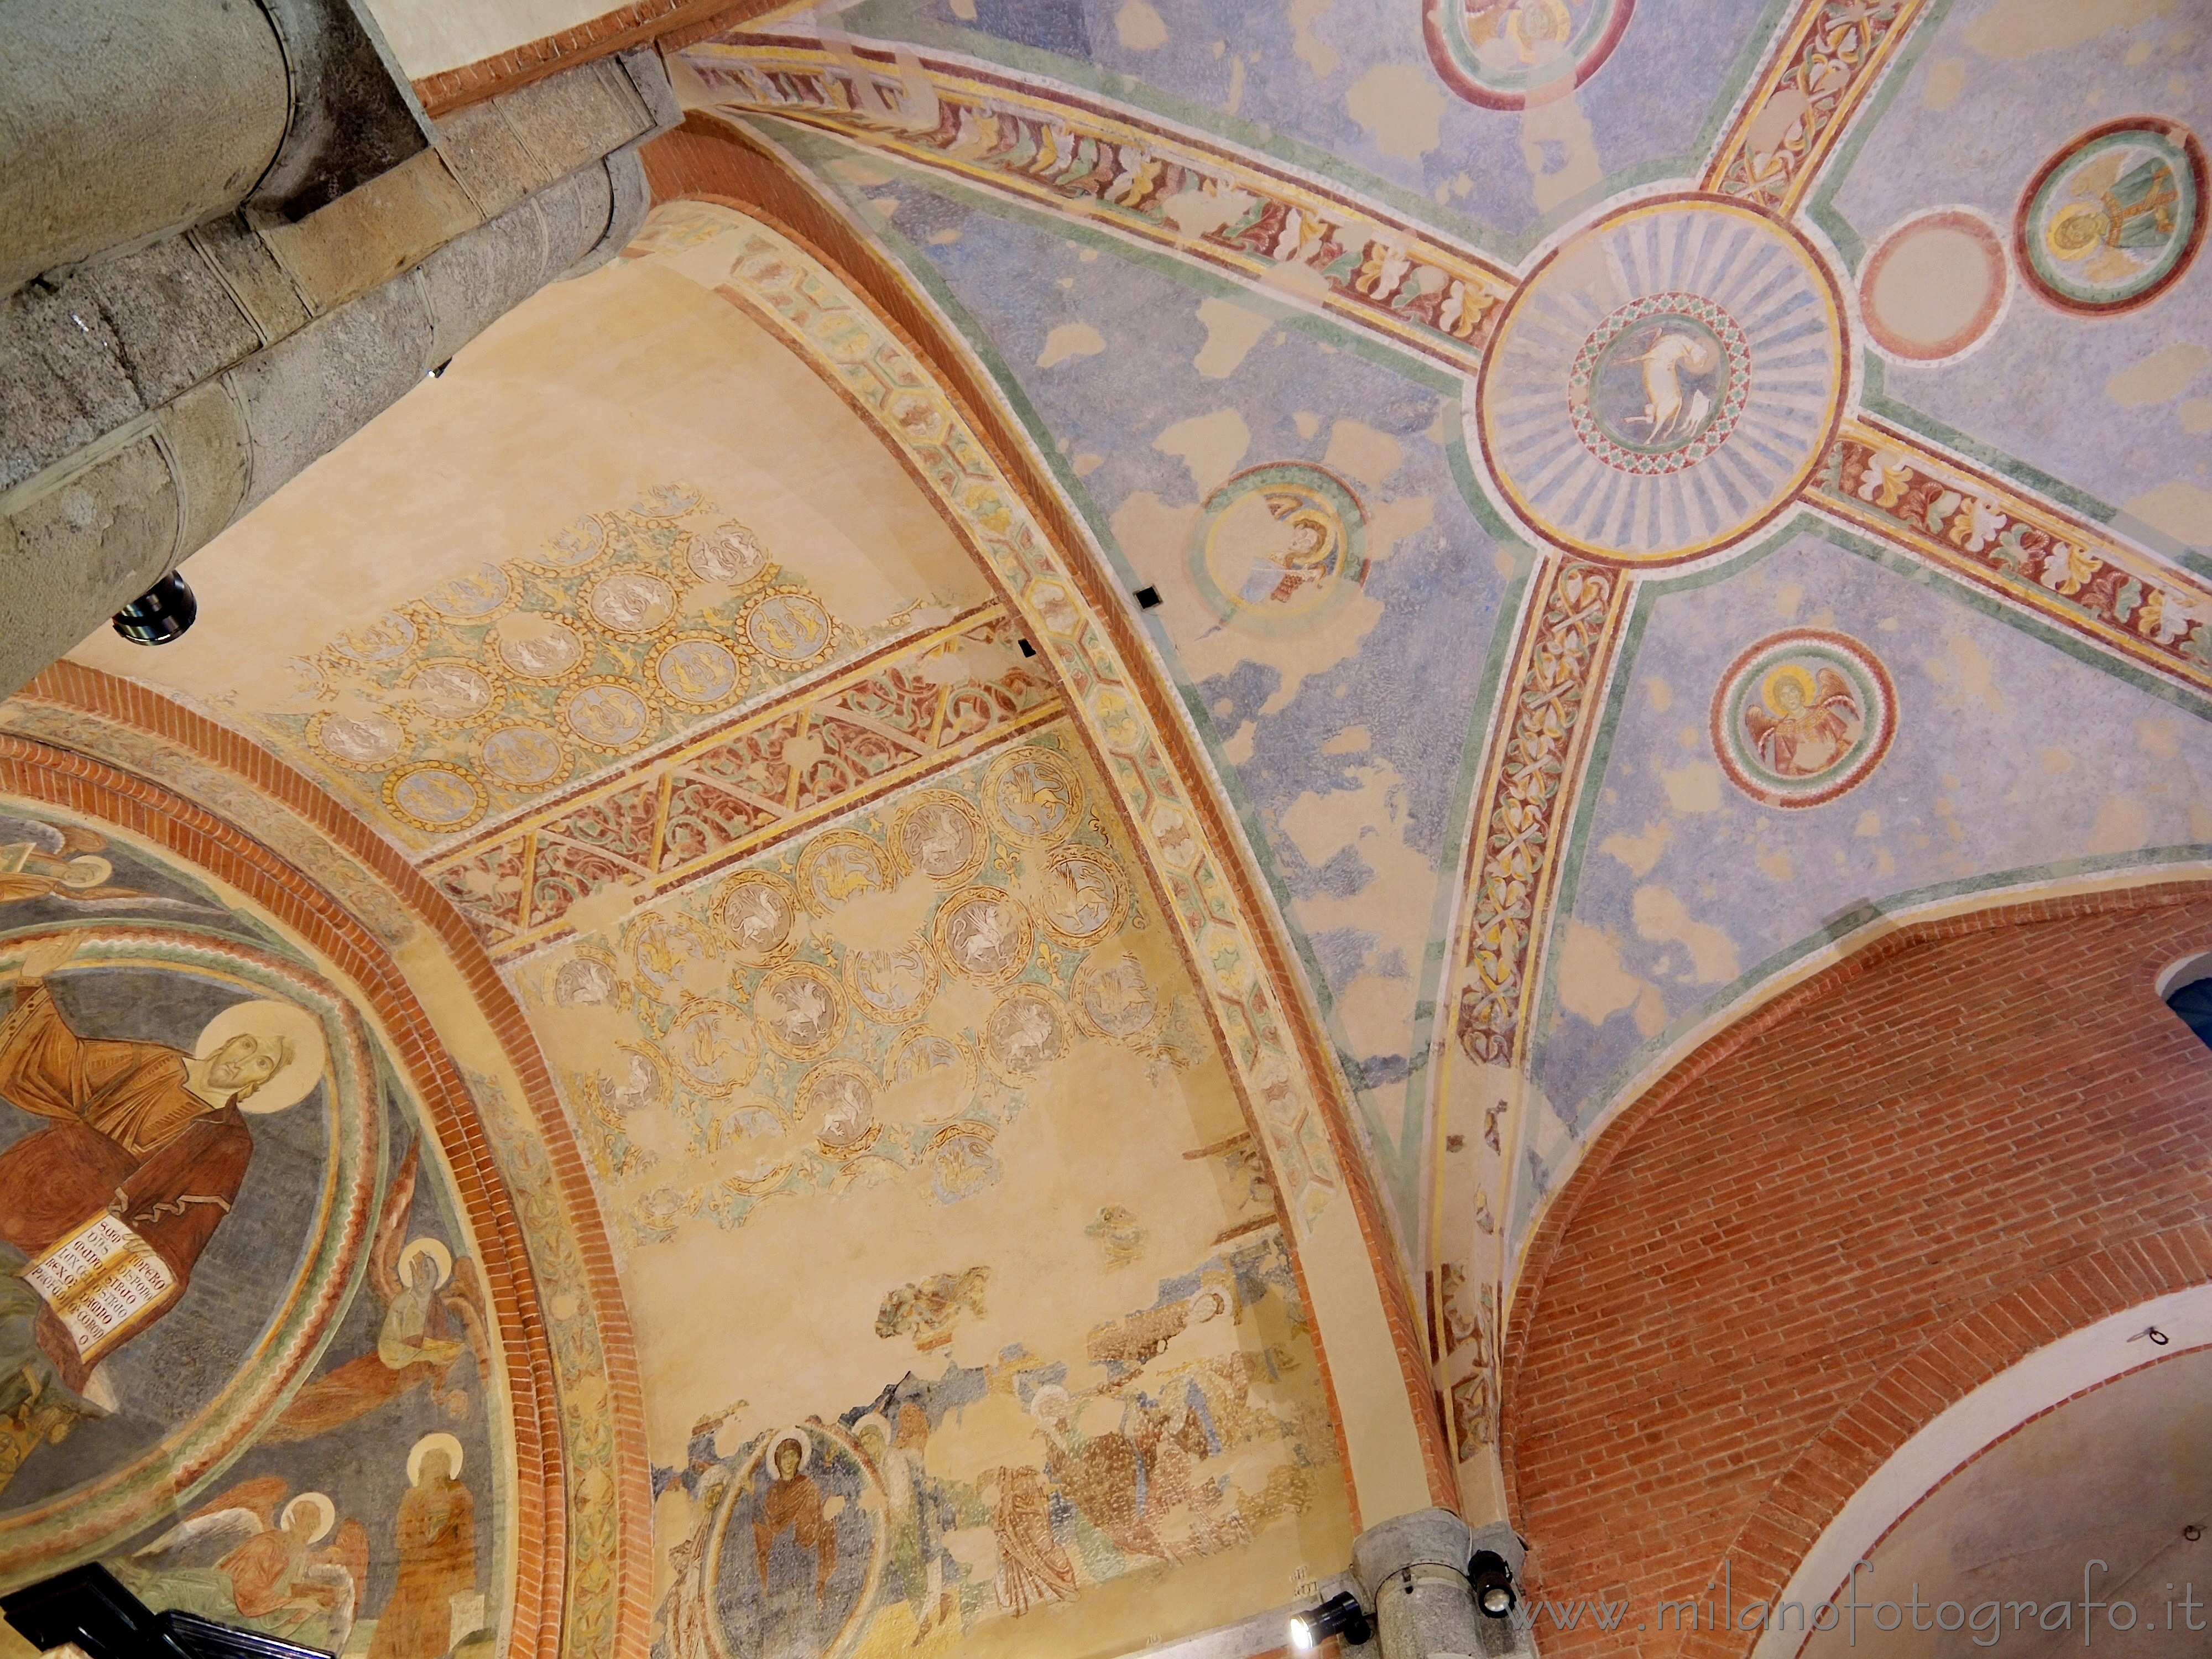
1028 650
1147 598
2193 1002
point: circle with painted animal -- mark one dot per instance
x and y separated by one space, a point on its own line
697 672
523 757
605 712
983 935
713 1046
1085 897
436 797
1279 549
891 985
362 741
1026 1033
787 627
942 834
1664 382
800 1009
729 554
758 912
1034 795
634 603
839 867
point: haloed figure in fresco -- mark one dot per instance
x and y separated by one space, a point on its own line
104 1211
1806 722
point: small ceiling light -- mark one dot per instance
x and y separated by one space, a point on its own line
1341 1615
2192 1532
1492 1582
158 615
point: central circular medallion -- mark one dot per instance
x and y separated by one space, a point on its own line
1660 384
1664 383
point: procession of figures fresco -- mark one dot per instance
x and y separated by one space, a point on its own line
225 1246
963 1496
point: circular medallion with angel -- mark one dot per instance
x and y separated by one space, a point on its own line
1803 716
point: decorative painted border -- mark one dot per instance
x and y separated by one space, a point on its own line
1881 718
583 1526
1443 32
1047 146
1972 224
2024 252
1569 635
1786 127
2065 572
616 829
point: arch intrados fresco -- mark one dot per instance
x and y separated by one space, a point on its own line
711 162
579 1538
2146 923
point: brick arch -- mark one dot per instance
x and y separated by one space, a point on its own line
1835 1219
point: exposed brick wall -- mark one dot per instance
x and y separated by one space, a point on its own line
1835 1220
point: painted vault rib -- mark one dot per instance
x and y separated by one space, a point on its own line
1822 67
1047 146
2060 569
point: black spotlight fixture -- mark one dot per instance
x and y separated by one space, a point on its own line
1341 1615
158 615
1491 1582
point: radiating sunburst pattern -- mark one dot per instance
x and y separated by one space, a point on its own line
1664 383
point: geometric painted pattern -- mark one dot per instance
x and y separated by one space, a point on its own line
746 783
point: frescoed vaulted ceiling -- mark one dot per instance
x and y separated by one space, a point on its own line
1147 657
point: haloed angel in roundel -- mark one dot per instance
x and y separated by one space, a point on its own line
1806 721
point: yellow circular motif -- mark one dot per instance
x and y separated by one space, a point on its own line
713 1046
759 915
839 1098
983 934
607 713
1026 1033
941 1065
697 672
361 743
438 797
1085 897
1034 795
631 603
787 627
892 987
800 1011
837 868
941 834
523 757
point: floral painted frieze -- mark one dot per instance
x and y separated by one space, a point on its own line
1993 537
1567 645
1259 222
1785 130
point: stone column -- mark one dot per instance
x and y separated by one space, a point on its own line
1412 1572
122 121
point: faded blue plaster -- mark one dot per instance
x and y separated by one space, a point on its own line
2035 388
1635 102
1957 764
1414 680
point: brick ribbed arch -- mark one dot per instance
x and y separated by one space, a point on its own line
1834 1220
